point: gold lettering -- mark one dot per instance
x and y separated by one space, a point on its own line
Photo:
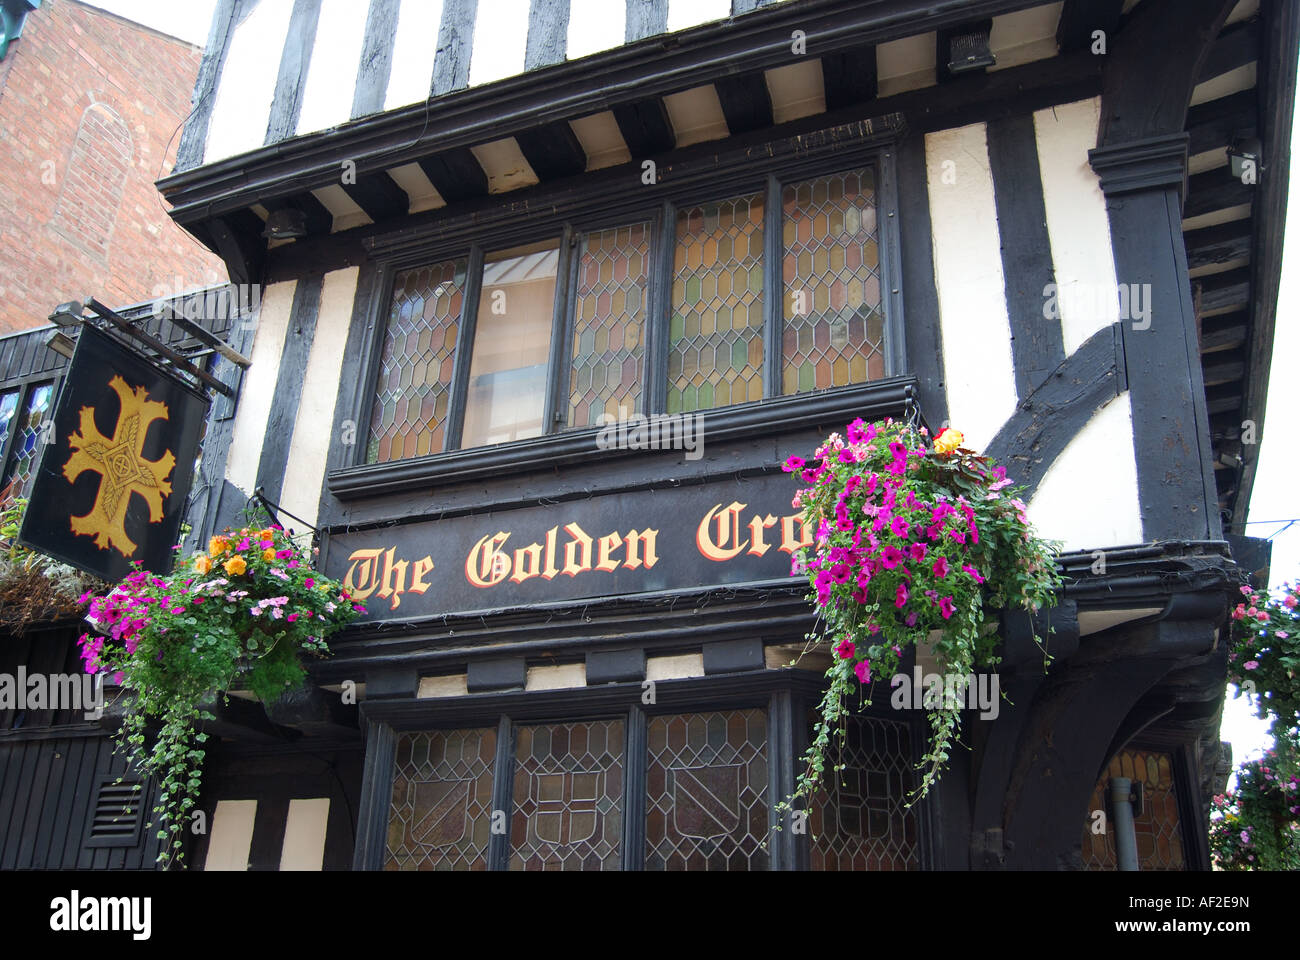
394 579
580 543
366 564
788 542
756 527
423 567
726 545
550 572
531 553
486 566
605 546
641 543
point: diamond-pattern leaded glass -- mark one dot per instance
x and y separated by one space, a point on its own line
609 324
8 407
27 442
1158 827
414 385
859 821
715 351
441 817
834 322
706 791
568 795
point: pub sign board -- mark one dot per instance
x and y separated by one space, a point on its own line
116 465
710 534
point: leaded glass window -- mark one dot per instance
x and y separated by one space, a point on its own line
715 348
1158 827
568 794
512 345
27 441
706 786
609 324
834 332
8 407
859 821
412 396
441 815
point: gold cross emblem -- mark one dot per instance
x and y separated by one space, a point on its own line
123 471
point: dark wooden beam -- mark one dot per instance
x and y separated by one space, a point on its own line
1218 122
1213 190
316 214
646 128
295 59
238 241
378 196
943 48
376 63
1221 243
1152 65
553 151
1230 289
1224 399
745 102
456 174
1235 47
1224 332
1225 368
1081 19
849 77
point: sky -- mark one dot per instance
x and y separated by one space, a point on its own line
1273 497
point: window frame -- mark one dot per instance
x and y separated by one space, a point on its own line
24 387
716 176
783 696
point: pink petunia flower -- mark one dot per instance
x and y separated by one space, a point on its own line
900 596
946 608
940 569
863 670
845 649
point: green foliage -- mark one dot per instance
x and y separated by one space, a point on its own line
33 586
908 540
240 615
1257 825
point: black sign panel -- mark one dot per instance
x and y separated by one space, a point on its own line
711 534
116 467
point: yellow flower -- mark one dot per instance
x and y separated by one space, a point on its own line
268 555
235 566
218 546
948 441
202 564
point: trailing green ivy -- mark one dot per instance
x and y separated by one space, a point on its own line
242 614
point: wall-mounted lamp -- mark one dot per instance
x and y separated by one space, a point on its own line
285 224
68 314
61 343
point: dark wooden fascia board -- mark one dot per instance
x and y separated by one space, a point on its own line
1277 91
577 88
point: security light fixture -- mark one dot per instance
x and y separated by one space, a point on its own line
1243 158
61 343
67 314
285 224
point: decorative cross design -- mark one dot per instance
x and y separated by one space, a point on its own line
122 469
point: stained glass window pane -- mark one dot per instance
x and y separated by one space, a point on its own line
512 346
834 320
1158 827
414 386
715 352
568 796
858 821
441 815
27 446
8 407
706 791
609 324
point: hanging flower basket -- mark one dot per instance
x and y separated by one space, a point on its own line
242 614
914 544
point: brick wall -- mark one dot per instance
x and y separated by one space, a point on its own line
89 110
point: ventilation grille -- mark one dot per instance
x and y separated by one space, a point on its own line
118 812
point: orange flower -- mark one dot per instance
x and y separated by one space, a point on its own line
268 555
218 546
202 564
267 534
948 441
235 566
